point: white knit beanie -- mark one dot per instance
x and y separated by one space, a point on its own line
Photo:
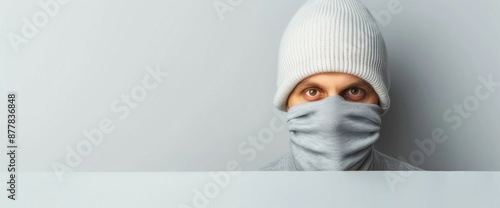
332 36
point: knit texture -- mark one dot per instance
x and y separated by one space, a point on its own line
332 36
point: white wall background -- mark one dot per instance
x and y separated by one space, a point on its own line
219 92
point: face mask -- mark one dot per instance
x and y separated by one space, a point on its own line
334 134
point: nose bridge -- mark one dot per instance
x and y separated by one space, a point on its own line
334 89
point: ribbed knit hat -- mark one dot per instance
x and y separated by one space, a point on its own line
332 36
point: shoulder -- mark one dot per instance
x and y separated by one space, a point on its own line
283 163
393 164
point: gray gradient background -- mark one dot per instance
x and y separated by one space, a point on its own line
222 81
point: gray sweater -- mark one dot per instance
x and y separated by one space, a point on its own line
285 163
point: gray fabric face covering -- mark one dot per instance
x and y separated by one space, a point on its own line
334 134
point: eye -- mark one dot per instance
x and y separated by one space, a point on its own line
312 94
354 94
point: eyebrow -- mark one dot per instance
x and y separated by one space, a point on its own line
308 83
360 84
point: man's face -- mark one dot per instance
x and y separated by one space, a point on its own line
323 85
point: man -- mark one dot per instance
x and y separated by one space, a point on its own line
333 83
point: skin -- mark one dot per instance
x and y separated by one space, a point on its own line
323 85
